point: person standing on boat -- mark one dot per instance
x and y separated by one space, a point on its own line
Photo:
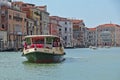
55 43
24 44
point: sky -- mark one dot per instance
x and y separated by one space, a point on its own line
92 12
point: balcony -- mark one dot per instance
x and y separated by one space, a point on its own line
17 18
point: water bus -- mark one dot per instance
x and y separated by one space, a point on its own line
43 48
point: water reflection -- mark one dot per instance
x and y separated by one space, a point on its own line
42 70
30 65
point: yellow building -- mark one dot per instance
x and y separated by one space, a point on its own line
35 16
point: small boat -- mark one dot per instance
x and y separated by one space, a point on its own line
107 46
43 48
90 47
93 47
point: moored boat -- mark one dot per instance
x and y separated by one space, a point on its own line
107 46
92 47
43 48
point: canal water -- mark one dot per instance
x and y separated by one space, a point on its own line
80 64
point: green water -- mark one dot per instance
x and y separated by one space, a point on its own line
80 64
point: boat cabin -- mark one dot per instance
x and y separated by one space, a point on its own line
42 41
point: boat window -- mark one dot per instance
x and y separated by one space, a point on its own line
48 40
56 42
28 41
38 41
60 44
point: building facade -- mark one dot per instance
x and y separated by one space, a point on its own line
66 30
37 13
79 33
92 39
13 21
29 26
108 35
44 19
62 27
54 26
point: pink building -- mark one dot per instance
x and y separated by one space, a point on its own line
13 22
108 35
54 26
78 33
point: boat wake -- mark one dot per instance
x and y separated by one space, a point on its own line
73 59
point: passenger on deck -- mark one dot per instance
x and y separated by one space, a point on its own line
36 45
55 43
25 45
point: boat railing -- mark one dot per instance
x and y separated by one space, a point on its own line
36 46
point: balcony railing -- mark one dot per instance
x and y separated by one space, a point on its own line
17 18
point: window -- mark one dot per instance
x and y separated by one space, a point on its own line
38 40
24 5
28 41
31 32
10 16
65 30
17 28
17 14
70 29
3 26
65 22
59 29
65 37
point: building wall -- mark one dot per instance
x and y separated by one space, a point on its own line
3 17
29 26
62 27
41 20
16 27
117 34
3 40
108 35
45 22
13 22
67 32
79 32
53 26
35 15
92 40
3 36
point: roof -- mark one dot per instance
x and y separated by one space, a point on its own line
77 21
59 18
29 36
92 29
42 6
109 25
18 2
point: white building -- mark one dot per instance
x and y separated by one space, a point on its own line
92 38
66 31
62 27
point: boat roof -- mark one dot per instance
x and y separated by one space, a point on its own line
29 36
